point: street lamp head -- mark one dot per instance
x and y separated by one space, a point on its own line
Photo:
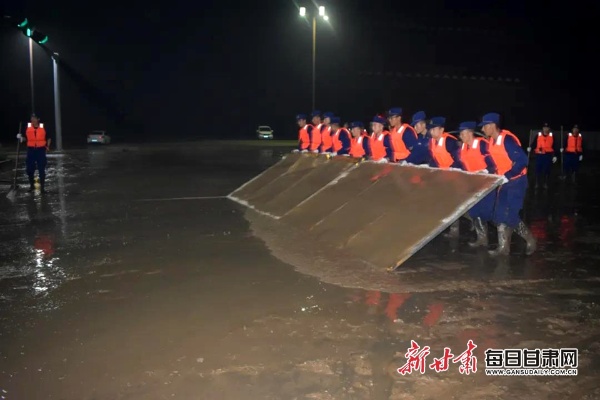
325 17
302 11
322 11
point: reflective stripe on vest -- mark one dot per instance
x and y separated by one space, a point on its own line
574 144
356 147
471 156
377 147
500 156
401 152
36 137
544 143
325 138
304 137
439 152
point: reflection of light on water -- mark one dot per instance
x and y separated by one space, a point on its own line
47 276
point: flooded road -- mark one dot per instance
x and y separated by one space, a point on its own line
109 290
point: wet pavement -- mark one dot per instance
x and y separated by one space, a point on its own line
108 290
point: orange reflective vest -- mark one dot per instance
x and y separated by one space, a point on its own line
439 153
544 143
356 146
574 144
335 139
471 156
326 142
304 137
400 150
377 147
36 137
315 141
500 156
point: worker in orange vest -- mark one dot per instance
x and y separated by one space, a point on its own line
326 131
511 163
544 155
37 145
359 147
315 137
475 157
573 152
381 144
443 146
304 134
402 136
340 138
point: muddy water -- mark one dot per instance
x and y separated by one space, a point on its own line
103 296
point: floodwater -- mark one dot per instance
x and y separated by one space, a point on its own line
109 290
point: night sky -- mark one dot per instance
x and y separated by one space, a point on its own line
149 71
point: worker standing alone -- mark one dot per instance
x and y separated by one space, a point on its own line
573 152
511 162
544 156
37 145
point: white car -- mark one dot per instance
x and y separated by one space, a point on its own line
264 132
98 137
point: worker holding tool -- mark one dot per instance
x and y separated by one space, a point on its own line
443 146
381 143
544 156
304 133
326 143
37 145
340 138
475 157
420 153
359 148
511 164
315 137
402 136
573 152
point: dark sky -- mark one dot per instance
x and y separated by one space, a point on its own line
163 70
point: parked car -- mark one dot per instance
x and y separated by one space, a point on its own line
98 137
264 132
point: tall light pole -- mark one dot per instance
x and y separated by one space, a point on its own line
57 120
314 47
31 84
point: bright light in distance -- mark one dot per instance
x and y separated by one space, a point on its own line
322 11
302 11
326 18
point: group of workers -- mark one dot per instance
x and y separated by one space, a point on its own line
545 148
425 141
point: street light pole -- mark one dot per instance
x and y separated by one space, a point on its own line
314 47
314 60
57 119
31 75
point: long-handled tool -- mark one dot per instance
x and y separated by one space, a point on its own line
12 193
562 161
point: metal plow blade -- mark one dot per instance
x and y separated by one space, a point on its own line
290 182
380 213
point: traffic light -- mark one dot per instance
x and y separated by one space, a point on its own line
31 32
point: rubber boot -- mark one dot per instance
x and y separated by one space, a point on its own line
453 230
482 233
42 184
504 234
523 231
31 184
